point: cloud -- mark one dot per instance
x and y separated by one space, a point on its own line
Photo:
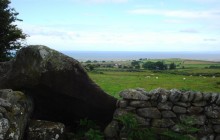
48 31
189 31
174 21
74 39
178 13
206 1
100 1
90 1
109 1
210 39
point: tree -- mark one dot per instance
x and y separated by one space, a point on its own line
11 37
135 64
154 65
149 65
172 66
160 65
88 61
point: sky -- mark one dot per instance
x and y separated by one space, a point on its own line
121 25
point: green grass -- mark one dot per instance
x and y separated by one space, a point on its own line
187 63
197 65
196 73
114 82
200 70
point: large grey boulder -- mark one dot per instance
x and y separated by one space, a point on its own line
61 89
15 111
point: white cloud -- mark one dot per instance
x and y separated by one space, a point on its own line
109 1
73 39
210 39
143 41
178 13
100 1
174 21
206 1
189 30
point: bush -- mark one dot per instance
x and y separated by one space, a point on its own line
132 130
87 130
94 135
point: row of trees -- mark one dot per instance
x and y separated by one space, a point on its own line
159 65
11 37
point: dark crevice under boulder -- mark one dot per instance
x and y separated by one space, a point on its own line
60 87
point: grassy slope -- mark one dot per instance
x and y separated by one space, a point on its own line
113 82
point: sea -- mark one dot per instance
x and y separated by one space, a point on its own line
128 55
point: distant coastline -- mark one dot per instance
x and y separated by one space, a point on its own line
123 55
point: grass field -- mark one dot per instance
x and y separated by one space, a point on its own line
195 76
114 82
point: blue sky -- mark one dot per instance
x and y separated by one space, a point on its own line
122 25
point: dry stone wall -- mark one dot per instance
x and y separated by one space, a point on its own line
164 110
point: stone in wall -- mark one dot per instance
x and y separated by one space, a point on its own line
151 112
133 94
168 114
111 131
179 109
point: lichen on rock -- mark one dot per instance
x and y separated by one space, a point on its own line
15 111
45 130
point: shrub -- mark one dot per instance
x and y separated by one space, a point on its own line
132 130
186 126
94 135
88 130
